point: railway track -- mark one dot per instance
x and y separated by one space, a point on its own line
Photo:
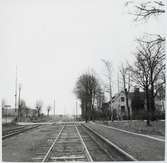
76 142
68 145
17 130
115 152
8 131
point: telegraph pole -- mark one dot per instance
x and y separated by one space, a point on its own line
64 112
54 107
16 91
19 102
74 114
76 111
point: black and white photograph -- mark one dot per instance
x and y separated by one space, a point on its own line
83 80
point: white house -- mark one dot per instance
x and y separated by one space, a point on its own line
120 108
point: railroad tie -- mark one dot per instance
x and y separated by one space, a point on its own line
71 157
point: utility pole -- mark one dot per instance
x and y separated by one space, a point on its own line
16 91
64 112
19 102
54 107
76 111
74 114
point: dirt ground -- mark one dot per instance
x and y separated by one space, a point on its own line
157 128
22 147
143 149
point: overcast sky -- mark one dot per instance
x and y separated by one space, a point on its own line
52 42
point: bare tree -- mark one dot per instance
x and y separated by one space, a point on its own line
86 89
125 74
149 67
143 10
151 39
108 66
156 62
38 106
150 52
141 78
48 109
3 103
100 98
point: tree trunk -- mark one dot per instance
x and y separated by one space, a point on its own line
19 113
111 111
147 106
152 102
92 108
127 103
86 112
83 109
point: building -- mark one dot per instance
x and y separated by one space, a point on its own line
137 105
9 112
119 105
136 102
24 113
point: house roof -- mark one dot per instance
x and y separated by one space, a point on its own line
130 95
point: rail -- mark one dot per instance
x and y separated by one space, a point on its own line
16 131
86 150
45 159
121 151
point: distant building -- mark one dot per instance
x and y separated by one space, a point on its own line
27 112
24 113
9 112
137 105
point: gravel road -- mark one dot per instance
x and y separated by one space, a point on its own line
22 147
143 149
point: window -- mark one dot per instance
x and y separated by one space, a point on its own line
122 99
122 109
